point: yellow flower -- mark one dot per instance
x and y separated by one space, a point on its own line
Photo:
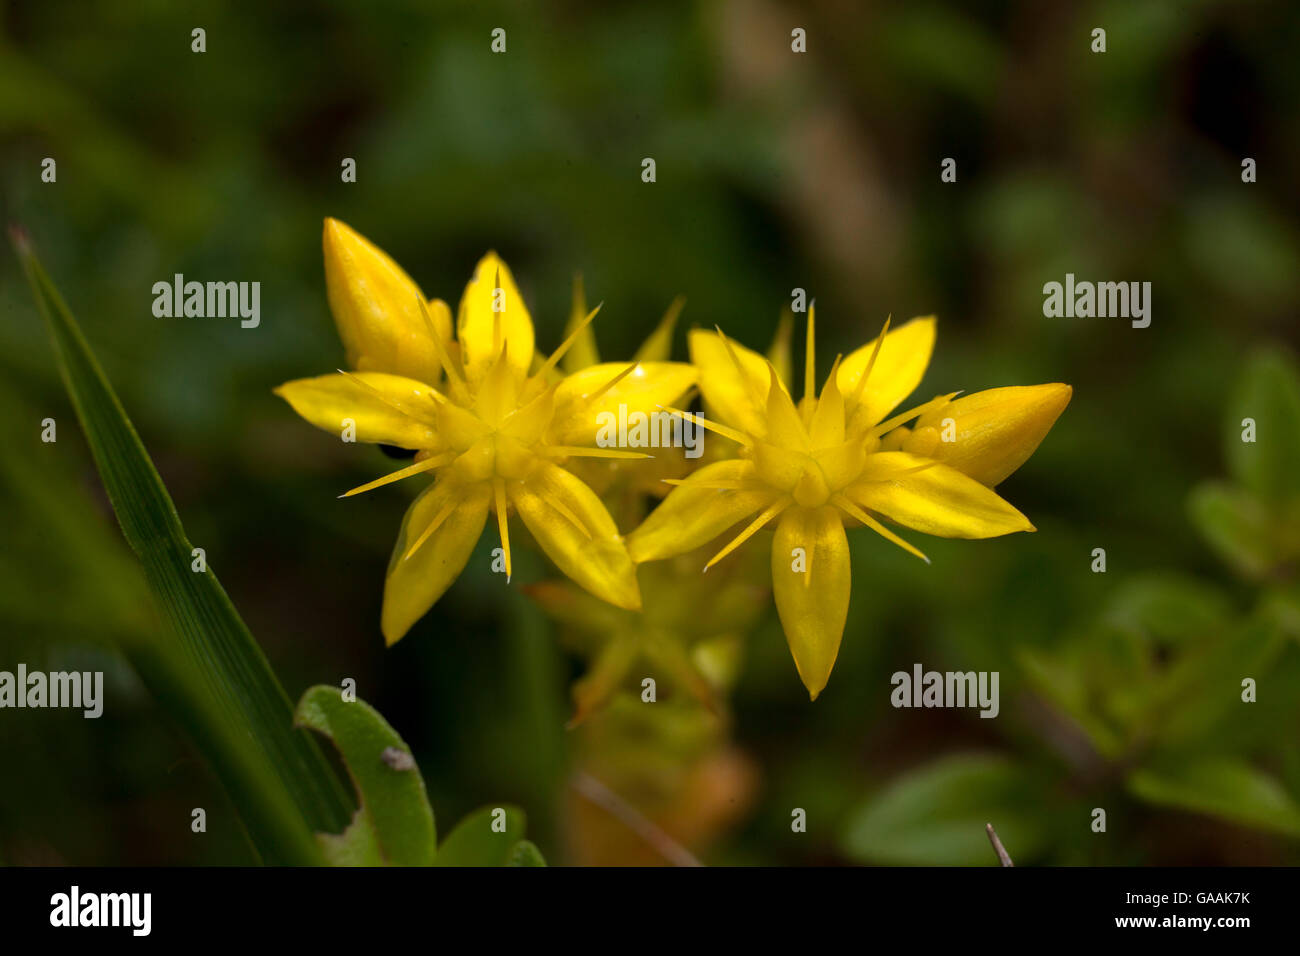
497 425
835 458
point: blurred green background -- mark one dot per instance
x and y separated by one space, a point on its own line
775 170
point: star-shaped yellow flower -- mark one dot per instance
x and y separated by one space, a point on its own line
496 424
836 458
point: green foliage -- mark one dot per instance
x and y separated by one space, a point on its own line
394 824
209 669
935 815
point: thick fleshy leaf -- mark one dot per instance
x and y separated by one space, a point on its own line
813 603
394 822
694 514
992 432
477 320
393 410
592 554
735 400
487 837
414 584
933 498
899 368
643 390
376 307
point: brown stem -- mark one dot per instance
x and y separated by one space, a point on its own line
997 845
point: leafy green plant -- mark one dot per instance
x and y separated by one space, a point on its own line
1170 697
206 668
394 824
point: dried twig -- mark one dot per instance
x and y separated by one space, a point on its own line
997 845
616 806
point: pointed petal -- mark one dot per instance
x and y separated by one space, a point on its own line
648 386
694 514
400 414
376 307
658 346
477 323
778 353
584 351
933 498
414 584
785 428
736 401
594 554
814 603
899 367
994 431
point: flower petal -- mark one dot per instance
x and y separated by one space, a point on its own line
694 514
994 432
899 367
933 498
593 555
393 410
813 603
644 389
376 308
414 584
476 320
735 400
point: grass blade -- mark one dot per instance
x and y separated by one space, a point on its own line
214 677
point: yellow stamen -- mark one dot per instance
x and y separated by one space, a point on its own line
855 512
499 490
577 451
866 372
428 464
567 344
394 405
810 364
738 437
452 370
434 525
496 316
570 517
596 395
715 485
890 424
771 512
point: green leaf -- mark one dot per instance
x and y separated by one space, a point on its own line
525 853
935 815
1221 787
1269 394
394 824
487 837
207 668
1168 608
1237 526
